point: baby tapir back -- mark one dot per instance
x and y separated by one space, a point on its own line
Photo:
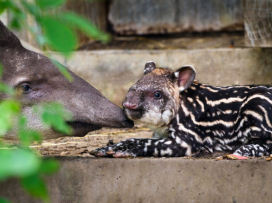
39 81
155 98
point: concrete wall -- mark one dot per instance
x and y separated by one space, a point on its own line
158 180
113 72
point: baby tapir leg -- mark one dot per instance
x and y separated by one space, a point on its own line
254 150
174 146
142 148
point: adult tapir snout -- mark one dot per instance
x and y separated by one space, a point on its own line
41 82
90 105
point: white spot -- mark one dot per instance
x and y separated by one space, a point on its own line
190 99
176 74
178 140
168 151
155 152
168 142
193 88
227 112
208 139
181 88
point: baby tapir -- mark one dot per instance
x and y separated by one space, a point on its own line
40 82
189 117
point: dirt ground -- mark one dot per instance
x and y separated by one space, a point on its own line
165 42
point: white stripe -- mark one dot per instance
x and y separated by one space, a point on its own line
225 101
212 123
201 104
266 116
188 147
197 137
208 88
254 114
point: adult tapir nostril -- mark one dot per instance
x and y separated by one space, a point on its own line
129 105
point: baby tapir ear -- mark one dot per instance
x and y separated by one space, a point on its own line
184 76
7 38
149 66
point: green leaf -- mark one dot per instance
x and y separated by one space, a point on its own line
3 200
55 115
35 186
43 4
15 24
85 26
31 8
49 166
8 108
3 6
27 136
18 163
61 37
56 122
6 89
63 70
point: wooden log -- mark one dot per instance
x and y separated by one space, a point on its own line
175 16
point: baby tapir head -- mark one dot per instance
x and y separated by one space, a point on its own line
40 82
155 98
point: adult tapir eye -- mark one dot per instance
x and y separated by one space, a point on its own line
24 88
157 95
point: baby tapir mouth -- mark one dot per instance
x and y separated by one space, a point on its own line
134 114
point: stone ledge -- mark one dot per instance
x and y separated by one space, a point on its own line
113 72
88 180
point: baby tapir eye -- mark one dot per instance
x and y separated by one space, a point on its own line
24 88
157 95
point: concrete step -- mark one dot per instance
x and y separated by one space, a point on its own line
160 180
112 72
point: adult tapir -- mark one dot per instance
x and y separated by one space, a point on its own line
40 81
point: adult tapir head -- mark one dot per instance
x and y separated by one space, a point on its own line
40 81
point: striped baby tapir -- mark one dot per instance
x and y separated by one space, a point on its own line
189 118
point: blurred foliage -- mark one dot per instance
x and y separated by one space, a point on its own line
54 29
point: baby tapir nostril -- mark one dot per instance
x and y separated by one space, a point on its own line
129 105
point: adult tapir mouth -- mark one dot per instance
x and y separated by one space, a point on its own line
81 129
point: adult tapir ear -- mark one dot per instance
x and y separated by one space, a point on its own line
149 66
184 77
7 38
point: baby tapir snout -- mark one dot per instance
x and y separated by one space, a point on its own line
131 101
